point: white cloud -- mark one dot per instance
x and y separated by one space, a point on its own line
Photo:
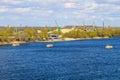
62 9
108 8
83 6
50 11
3 9
41 2
41 12
11 1
22 10
69 5
26 10
14 10
90 5
113 0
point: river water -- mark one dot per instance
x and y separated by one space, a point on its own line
70 60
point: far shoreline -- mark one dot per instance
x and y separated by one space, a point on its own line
10 43
61 40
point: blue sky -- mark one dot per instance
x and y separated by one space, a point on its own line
65 12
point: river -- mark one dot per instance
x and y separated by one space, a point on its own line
69 60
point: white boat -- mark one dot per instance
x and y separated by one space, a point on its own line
15 44
108 46
49 45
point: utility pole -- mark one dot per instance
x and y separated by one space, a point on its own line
84 25
94 27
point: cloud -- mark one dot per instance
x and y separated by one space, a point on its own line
83 6
3 9
69 5
41 2
11 1
113 0
26 10
22 10
15 10
62 9
108 8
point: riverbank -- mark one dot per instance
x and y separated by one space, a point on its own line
59 40
70 39
10 43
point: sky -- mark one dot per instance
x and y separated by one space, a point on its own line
65 12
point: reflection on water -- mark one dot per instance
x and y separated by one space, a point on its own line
72 60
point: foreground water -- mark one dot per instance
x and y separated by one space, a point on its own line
71 60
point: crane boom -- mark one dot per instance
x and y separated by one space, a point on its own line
57 25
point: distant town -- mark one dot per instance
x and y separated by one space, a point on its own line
9 34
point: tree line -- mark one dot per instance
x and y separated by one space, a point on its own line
32 34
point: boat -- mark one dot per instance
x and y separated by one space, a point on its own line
49 45
15 44
108 47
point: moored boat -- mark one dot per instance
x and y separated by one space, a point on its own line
108 46
49 45
15 44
